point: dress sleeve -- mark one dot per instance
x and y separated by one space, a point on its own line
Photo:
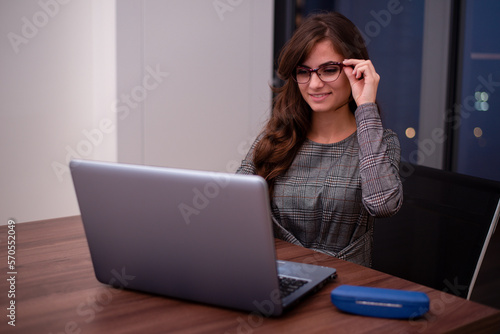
379 157
247 166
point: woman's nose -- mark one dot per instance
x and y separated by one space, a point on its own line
315 80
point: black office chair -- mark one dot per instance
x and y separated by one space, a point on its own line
437 239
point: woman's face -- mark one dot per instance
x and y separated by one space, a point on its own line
321 96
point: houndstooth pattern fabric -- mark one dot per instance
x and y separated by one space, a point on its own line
331 193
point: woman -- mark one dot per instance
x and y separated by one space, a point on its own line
330 166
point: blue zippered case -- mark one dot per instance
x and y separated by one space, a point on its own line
378 302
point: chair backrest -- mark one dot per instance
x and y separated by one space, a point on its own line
440 235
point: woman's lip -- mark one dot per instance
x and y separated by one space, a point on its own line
319 97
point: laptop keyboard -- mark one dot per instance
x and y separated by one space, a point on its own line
289 284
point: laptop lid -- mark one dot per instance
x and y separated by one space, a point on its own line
195 235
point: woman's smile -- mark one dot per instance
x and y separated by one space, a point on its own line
319 97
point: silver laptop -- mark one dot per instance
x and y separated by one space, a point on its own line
194 235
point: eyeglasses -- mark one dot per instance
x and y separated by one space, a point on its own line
328 72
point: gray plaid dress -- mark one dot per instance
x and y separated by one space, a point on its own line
331 193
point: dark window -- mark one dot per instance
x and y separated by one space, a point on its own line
477 139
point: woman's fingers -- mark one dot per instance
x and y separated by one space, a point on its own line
363 79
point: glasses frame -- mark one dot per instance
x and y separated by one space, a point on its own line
315 70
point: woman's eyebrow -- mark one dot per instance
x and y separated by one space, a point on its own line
330 62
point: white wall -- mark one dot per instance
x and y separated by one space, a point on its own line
49 95
79 85
214 60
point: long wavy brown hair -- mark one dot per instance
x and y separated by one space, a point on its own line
290 121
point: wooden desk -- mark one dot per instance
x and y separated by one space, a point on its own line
56 292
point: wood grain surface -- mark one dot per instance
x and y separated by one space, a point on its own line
57 292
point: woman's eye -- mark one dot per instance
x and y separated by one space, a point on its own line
331 69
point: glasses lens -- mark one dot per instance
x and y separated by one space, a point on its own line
329 73
326 73
302 75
